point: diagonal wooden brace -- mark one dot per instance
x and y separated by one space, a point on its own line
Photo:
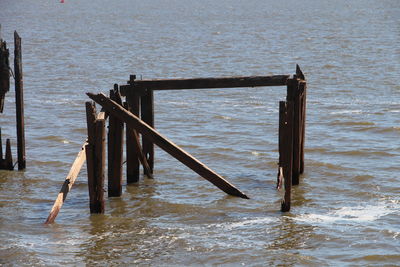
134 122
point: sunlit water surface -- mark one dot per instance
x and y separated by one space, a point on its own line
346 210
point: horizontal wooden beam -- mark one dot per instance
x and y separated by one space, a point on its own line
205 83
134 122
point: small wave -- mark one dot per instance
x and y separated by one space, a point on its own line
353 123
328 66
353 214
389 129
364 153
244 223
219 117
54 138
357 111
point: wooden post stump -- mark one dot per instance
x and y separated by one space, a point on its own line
303 89
132 154
115 149
4 71
285 151
19 102
8 160
293 94
147 113
95 159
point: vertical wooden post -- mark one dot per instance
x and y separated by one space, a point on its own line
285 151
4 72
19 102
115 149
132 154
99 164
8 160
293 94
303 89
147 107
1 149
95 159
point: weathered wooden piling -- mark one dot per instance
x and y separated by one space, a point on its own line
153 136
8 160
1 150
95 159
293 94
4 71
303 89
132 154
147 115
115 149
285 151
19 102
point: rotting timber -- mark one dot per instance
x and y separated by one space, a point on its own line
5 71
137 113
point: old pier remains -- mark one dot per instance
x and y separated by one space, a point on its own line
136 115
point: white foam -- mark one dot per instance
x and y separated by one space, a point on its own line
346 112
244 223
353 214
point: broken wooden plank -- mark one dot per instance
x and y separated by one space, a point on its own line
67 185
73 172
205 83
175 151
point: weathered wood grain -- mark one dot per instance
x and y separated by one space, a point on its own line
181 155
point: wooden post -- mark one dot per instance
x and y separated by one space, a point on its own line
1 148
293 94
4 72
147 112
19 102
132 155
303 89
8 160
135 123
285 151
95 158
115 149
99 166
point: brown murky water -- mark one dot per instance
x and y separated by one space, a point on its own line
346 211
